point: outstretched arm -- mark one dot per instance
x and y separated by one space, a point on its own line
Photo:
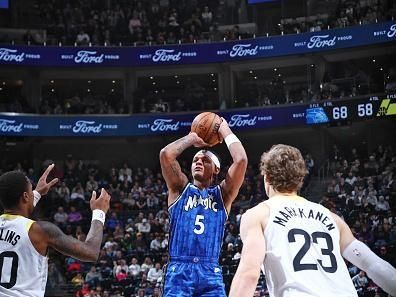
171 171
44 234
253 253
236 173
360 255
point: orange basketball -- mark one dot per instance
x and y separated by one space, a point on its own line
206 125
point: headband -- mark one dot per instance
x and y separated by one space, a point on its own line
211 156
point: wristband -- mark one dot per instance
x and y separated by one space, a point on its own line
36 197
99 215
230 139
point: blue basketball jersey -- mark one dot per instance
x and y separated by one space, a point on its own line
197 221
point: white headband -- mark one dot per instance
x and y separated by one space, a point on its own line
211 156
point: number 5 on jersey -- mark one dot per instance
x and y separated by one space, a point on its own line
199 225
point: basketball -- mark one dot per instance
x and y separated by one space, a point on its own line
206 125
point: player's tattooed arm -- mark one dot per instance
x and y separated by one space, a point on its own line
171 171
85 251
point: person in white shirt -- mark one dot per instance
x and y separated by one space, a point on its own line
60 217
155 273
360 282
134 268
155 244
301 244
144 226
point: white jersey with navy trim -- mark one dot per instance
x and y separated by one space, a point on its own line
23 271
303 257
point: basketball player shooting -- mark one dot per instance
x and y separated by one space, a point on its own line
198 211
24 243
301 243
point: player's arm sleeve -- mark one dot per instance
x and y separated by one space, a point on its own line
380 271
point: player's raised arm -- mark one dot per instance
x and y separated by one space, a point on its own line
360 255
43 234
171 171
236 173
252 256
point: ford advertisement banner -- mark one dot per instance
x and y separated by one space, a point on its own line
199 53
324 112
138 125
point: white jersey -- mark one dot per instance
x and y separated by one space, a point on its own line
23 271
303 257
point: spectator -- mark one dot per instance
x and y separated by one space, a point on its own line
134 269
82 38
144 226
155 244
61 217
74 217
93 277
155 273
360 282
77 280
147 264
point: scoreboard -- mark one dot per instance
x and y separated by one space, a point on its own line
351 110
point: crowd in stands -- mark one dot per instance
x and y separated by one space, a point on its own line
363 192
348 13
140 23
136 230
129 22
193 96
84 103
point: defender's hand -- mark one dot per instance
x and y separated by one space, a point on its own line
42 186
102 203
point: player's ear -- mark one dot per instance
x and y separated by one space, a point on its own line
217 170
25 197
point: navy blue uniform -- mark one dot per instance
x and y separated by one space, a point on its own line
197 221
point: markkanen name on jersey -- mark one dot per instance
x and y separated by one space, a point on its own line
285 216
195 201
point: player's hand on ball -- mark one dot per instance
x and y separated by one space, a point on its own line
198 141
224 129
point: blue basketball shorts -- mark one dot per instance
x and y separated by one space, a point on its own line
183 279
